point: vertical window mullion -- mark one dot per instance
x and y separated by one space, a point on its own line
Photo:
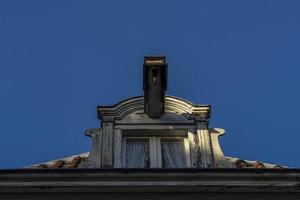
187 152
124 152
158 152
153 154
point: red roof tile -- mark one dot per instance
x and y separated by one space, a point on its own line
74 161
64 163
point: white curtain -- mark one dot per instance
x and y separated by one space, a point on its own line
137 153
173 154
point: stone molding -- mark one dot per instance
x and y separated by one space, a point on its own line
147 180
136 104
128 115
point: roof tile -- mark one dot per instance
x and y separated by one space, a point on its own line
72 162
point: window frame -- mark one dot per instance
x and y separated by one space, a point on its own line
155 151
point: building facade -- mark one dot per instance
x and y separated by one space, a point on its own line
152 147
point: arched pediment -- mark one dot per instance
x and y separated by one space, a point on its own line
174 106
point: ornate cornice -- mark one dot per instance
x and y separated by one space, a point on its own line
136 104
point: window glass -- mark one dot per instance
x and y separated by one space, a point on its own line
137 153
173 153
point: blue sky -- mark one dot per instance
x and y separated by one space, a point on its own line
60 59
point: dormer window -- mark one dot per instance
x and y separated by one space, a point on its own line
136 153
154 130
155 151
173 153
